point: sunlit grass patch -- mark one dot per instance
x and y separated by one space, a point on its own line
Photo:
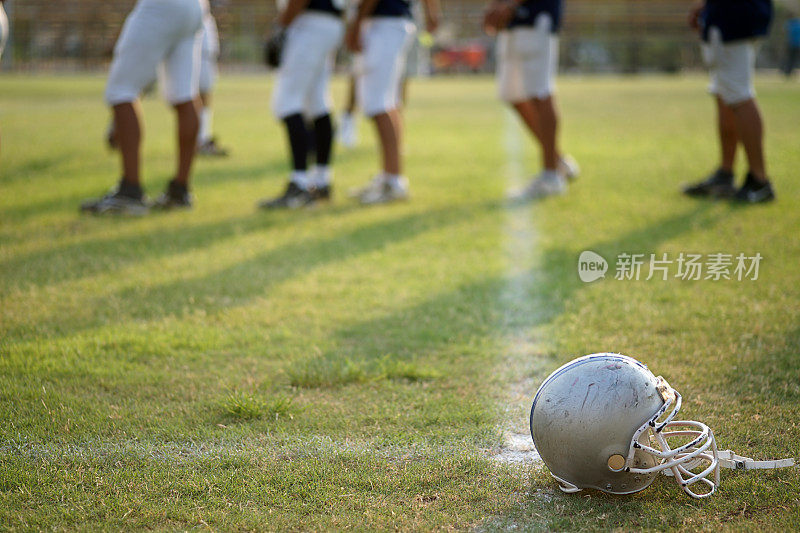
409 371
244 406
328 372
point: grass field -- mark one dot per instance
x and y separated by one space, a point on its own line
347 368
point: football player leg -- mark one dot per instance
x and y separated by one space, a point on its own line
181 69
349 126
310 40
322 129
528 59
719 184
151 31
734 84
206 142
139 49
386 42
732 67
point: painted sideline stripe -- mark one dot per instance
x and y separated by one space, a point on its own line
519 249
188 451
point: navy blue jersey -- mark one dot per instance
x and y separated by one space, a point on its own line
529 10
392 8
737 19
793 32
326 6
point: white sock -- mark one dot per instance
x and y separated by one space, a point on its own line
300 178
321 176
391 178
550 175
206 117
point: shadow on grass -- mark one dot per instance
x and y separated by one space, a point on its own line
67 262
239 283
31 166
473 312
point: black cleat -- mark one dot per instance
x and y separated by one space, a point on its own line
176 196
717 185
293 197
754 191
322 194
212 149
124 199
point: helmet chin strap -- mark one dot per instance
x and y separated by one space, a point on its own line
565 485
728 459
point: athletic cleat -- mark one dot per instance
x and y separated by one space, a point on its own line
717 185
755 192
124 199
210 148
542 186
175 197
321 194
386 191
293 197
568 167
374 184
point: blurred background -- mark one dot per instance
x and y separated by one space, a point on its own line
616 36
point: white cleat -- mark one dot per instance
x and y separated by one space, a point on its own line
568 167
374 184
542 186
386 191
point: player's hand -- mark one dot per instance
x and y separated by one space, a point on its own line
431 22
694 16
352 37
498 15
273 48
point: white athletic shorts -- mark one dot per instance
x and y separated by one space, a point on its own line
3 29
732 67
210 53
157 33
527 60
306 64
386 41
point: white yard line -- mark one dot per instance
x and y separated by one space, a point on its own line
181 452
520 255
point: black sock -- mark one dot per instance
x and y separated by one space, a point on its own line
312 138
177 189
727 174
130 190
323 132
298 140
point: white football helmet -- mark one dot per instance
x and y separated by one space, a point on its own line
603 421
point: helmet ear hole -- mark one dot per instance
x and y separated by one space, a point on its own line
616 463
